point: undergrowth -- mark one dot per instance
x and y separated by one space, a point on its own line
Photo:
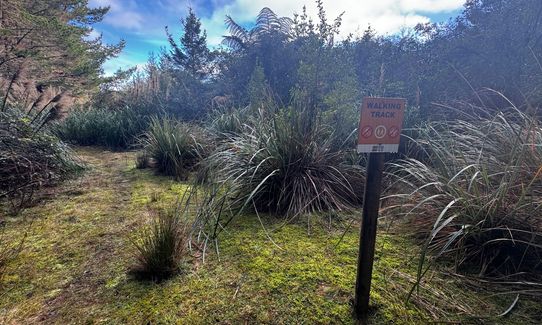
30 158
176 147
113 128
476 198
80 272
286 165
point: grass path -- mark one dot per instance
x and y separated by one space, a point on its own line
73 269
76 237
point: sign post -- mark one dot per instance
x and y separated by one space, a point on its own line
379 132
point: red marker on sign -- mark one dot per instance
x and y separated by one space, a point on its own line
367 131
394 132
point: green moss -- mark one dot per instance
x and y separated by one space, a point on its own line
77 254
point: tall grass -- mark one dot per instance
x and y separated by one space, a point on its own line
175 146
226 122
113 128
477 196
287 166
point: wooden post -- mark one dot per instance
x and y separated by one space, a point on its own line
371 204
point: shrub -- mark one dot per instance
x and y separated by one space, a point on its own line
100 126
29 158
177 147
287 166
476 198
162 248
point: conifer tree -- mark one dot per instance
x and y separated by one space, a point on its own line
45 45
192 54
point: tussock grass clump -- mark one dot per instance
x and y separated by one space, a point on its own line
113 128
287 166
478 196
163 247
177 147
227 122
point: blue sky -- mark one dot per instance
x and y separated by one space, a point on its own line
141 23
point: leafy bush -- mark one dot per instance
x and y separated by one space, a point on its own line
177 147
29 158
477 197
287 166
100 126
162 248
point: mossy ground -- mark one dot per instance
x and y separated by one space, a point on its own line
77 253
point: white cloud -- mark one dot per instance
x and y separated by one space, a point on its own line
122 13
431 5
127 20
385 16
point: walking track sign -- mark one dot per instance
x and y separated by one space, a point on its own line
380 125
379 132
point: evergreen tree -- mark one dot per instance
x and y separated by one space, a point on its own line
45 47
192 54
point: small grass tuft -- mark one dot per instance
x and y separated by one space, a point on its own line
163 248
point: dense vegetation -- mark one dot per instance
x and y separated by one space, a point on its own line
476 197
266 126
113 128
46 64
29 159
